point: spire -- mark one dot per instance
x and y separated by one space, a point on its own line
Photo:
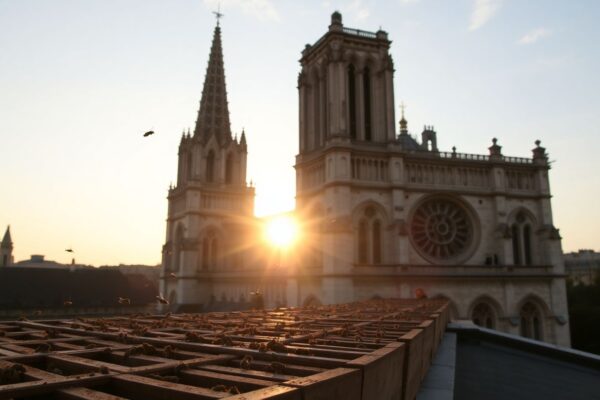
7 240
213 116
243 138
403 123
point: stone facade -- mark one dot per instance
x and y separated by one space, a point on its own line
396 215
382 213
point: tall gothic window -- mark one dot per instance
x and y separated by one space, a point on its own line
522 240
483 315
210 166
205 253
314 253
367 102
210 251
189 166
352 100
178 248
214 248
515 245
363 242
316 90
527 244
531 321
376 235
369 238
229 169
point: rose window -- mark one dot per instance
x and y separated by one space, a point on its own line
441 229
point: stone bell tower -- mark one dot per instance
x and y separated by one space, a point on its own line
346 110
211 205
346 88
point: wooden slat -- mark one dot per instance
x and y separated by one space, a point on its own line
85 394
147 388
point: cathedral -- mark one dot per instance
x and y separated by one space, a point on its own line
382 213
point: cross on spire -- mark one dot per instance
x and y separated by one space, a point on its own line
402 107
218 14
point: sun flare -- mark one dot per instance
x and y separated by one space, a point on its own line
281 231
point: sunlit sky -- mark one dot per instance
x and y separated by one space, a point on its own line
81 80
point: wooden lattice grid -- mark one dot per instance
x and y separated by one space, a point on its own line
365 350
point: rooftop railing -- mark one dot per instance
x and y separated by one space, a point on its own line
473 157
358 32
349 31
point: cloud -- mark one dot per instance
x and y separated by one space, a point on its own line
261 9
534 35
483 11
356 8
359 10
409 1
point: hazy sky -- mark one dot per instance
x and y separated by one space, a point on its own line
81 80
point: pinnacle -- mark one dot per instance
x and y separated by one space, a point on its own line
7 240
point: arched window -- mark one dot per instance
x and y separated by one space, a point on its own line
316 91
515 245
189 166
484 316
229 169
210 251
214 251
522 240
178 248
210 167
527 244
370 238
376 234
352 100
314 252
363 242
205 253
367 102
531 321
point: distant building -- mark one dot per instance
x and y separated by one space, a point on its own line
582 267
39 261
42 288
45 292
384 214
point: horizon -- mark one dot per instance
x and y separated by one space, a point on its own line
80 84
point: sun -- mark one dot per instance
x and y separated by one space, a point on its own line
281 231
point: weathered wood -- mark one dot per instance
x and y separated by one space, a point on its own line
339 383
373 349
147 388
85 394
271 376
271 393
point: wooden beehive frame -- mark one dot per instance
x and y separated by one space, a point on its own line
372 349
